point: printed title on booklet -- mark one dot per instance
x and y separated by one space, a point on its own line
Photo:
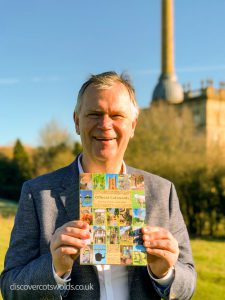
114 207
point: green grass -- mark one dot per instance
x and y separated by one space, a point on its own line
7 213
209 256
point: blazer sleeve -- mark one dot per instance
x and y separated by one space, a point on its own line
27 274
184 282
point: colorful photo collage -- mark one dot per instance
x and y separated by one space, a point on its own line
114 207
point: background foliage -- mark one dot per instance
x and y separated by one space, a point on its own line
165 143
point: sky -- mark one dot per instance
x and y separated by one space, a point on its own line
48 48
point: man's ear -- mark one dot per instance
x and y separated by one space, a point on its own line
76 122
134 123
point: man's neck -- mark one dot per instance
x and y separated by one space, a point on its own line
101 167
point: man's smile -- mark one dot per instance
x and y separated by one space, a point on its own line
104 138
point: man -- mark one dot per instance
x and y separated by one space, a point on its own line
47 235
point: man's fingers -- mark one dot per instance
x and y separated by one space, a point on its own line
166 255
66 243
157 233
75 232
67 250
65 240
76 224
76 229
152 228
162 245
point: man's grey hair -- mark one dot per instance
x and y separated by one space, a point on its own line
104 81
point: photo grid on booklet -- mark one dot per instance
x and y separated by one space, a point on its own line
114 207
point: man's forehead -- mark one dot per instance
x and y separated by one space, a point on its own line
97 88
106 106
115 98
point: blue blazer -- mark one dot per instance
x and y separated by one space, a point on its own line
49 201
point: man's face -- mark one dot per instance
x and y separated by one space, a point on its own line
105 123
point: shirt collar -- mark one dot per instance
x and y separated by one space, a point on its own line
80 168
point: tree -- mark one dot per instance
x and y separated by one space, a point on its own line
21 160
53 134
13 172
55 150
77 148
167 143
8 178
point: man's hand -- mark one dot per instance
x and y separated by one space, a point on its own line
162 250
66 243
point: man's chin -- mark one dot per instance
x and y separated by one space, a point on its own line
105 156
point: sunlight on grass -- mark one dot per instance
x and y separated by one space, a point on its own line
7 208
210 264
7 213
6 227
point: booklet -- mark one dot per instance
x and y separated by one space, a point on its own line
114 206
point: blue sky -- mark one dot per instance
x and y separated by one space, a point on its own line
49 47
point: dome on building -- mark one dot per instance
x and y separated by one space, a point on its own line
168 89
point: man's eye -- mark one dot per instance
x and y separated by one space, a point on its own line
93 115
117 116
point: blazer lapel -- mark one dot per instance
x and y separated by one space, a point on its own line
69 193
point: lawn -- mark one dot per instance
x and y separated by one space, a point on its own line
7 213
209 256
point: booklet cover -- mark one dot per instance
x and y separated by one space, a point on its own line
114 206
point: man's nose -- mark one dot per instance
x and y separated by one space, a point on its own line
105 122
